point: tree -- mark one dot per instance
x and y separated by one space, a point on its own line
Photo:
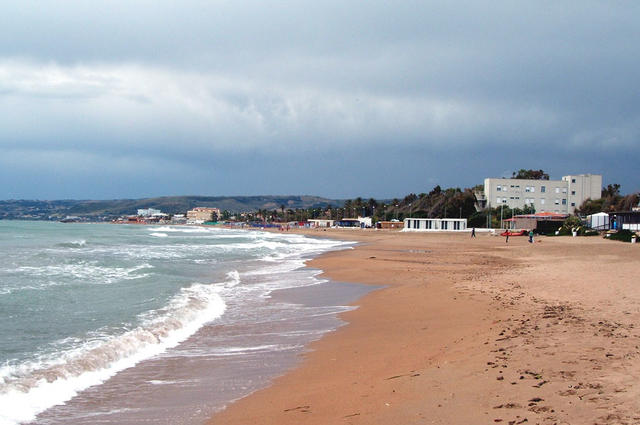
611 190
530 175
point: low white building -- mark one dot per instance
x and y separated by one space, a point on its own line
319 222
435 224
598 221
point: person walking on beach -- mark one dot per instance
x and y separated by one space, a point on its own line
507 237
473 232
530 236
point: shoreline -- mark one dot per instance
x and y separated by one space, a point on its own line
467 330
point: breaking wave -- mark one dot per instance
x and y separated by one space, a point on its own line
31 387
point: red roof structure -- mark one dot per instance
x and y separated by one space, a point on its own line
541 216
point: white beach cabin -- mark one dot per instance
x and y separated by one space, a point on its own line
598 221
435 224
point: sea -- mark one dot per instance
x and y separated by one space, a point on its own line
133 324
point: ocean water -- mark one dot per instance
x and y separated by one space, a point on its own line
104 323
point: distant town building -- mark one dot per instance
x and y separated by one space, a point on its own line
201 215
557 196
148 212
178 219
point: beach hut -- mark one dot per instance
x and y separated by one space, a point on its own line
625 220
598 221
434 224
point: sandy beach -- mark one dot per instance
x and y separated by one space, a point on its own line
469 331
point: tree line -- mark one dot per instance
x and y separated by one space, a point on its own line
438 203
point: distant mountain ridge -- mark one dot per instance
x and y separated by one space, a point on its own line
106 209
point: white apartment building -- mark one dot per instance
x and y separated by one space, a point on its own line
557 196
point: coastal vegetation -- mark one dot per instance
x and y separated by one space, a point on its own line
452 202
611 200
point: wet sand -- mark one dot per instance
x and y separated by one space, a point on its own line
469 331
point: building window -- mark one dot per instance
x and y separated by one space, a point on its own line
573 204
543 189
564 201
542 201
498 188
527 189
573 192
456 225
429 224
444 225
557 201
564 190
557 190
573 180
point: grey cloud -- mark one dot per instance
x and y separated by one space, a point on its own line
181 82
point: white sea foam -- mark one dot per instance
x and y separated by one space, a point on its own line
74 244
85 271
167 382
234 279
235 351
32 387
183 229
159 235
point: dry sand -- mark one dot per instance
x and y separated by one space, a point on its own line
469 331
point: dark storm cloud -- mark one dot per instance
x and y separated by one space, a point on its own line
178 86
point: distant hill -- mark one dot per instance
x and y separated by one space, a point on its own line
107 209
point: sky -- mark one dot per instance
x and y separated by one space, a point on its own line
109 99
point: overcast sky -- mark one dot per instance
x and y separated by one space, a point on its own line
128 99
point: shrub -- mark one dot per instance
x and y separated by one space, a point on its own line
622 235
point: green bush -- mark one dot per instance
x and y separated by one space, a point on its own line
622 235
570 225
